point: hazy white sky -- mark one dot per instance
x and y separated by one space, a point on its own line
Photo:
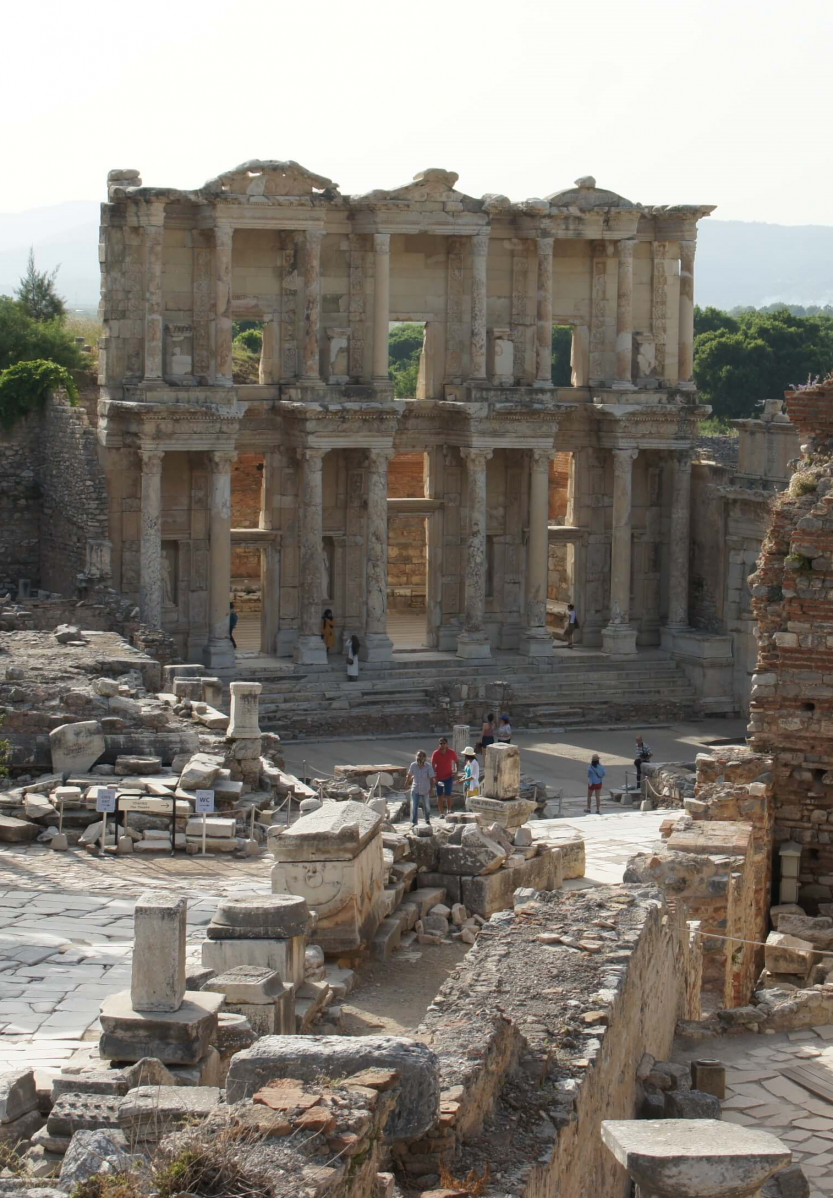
725 102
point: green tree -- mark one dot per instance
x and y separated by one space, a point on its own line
37 293
711 320
26 385
251 340
405 380
23 339
404 342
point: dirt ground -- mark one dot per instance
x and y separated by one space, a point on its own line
391 997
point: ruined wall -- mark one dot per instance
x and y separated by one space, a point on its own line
707 572
792 695
20 504
539 1039
74 505
246 480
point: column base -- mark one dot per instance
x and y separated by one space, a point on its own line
376 646
535 642
668 634
619 640
623 385
310 651
219 655
473 646
689 385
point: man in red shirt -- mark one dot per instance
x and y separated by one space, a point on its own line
444 761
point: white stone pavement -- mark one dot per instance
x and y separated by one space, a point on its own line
62 951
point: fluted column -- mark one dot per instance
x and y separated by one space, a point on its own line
619 637
381 307
624 318
479 260
543 334
312 307
154 235
536 640
219 651
685 354
309 648
150 548
473 641
377 644
223 237
679 533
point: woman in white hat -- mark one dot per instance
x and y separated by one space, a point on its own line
471 774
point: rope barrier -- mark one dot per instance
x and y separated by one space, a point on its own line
755 943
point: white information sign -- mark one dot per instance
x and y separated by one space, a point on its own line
106 800
204 802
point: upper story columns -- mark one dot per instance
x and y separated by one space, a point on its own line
223 237
479 256
381 306
686 316
543 325
624 317
154 216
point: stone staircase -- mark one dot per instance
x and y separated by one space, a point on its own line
430 694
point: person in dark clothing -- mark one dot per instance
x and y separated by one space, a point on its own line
643 754
232 623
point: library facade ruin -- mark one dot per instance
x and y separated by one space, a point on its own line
487 501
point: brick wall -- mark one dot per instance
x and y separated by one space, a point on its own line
20 503
560 467
406 561
246 476
405 476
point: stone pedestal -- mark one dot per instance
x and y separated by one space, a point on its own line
158 975
694 1158
258 994
536 639
619 638
502 772
266 932
509 813
245 697
219 652
180 1037
460 739
377 645
333 857
473 641
150 548
309 648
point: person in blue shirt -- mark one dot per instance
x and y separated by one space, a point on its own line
595 776
232 624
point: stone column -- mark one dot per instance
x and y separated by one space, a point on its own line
377 644
679 533
150 560
619 637
685 353
624 318
473 641
479 259
309 648
219 651
536 640
223 237
154 235
244 710
543 335
381 307
312 306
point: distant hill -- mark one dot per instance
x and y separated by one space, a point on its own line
738 262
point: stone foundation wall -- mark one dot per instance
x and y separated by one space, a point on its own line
406 562
406 476
539 1038
20 503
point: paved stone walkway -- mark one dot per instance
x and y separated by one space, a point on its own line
758 1095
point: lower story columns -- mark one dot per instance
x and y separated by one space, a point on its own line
536 639
310 648
219 652
619 637
378 645
473 641
150 546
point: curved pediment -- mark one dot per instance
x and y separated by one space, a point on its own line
586 195
267 177
431 184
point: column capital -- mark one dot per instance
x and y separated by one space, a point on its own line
604 249
541 458
381 243
682 460
223 235
480 243
311 456
625 247
222 461
151 460
659 249
687 251
623 460
476 456
313 236
378 457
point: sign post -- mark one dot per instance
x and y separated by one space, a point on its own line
105 803
204 805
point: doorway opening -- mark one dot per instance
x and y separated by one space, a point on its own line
407 551
247 351
561 554
246 588
405 346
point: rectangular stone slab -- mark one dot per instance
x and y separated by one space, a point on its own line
17 831
247 984
175 1037
335 832
150 1112
158 976
18 1095
74 1112
76 747
285 956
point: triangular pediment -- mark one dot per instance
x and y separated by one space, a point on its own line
586 195
431 184
267 177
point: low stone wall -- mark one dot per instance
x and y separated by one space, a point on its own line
538 1033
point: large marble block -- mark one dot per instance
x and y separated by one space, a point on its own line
179 1037
158 977
333 858
509 813
502 772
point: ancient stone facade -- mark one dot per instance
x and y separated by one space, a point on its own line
325 275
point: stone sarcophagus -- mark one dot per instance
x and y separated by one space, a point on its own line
333 858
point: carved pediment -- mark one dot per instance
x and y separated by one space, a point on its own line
260 177
586 195
431 184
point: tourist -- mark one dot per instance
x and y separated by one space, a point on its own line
445 763
572 625
328 630
595 776
421 778
487 732
471 774
504 731
232 623
352 652
643 754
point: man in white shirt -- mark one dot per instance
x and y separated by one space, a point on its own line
421 777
